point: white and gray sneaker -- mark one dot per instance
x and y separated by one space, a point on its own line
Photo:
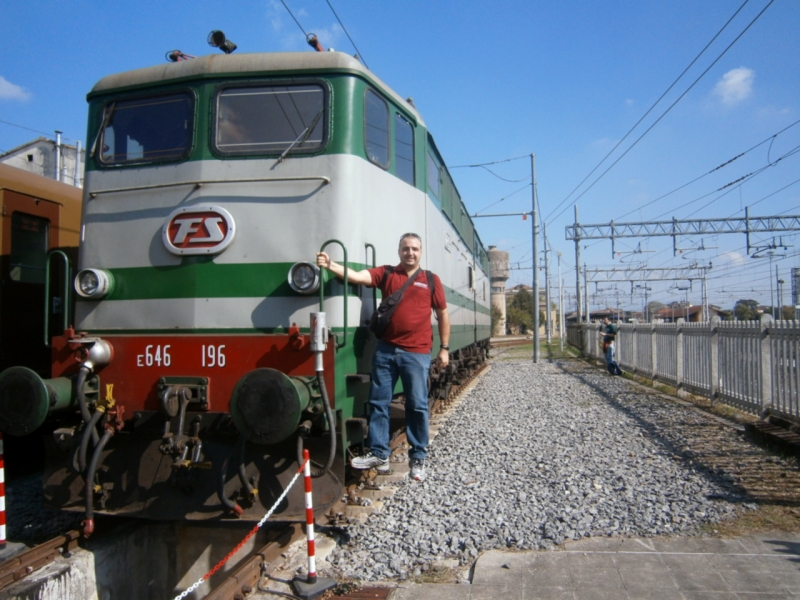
417 469
370 461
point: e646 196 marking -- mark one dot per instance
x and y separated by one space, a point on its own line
213 356
158 357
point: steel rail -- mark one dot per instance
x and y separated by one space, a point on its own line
19 566
244 579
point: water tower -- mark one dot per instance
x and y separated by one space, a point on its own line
498 275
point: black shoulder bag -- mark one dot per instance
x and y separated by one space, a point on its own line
379 320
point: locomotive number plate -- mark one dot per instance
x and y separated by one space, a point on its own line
158 355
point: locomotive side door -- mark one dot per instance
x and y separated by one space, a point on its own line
30 229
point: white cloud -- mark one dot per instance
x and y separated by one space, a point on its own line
733 258
10 91
736 85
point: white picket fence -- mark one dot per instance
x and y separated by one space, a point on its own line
752 365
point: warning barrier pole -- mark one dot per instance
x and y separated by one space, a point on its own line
312 562
2 494
312 586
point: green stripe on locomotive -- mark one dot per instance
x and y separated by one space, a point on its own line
201 277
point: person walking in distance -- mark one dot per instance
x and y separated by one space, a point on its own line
403 352
609 337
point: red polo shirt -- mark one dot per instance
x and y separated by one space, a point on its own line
410 327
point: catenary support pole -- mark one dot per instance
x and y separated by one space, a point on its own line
561 331
548 319
534 227
578 265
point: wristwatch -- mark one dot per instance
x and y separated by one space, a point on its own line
444 347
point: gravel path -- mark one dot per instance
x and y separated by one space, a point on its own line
538 454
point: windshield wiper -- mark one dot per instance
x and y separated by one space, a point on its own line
103 125
304 135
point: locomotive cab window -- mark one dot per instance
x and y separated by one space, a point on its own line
433 177
376 129
404 149
270 119
29 236
152 129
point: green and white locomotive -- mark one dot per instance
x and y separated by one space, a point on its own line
195 372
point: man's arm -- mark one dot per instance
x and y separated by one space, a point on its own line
443 317
359 277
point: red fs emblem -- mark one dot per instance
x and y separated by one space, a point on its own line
198 230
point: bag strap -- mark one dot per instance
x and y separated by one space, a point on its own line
386 272
402 290
431 284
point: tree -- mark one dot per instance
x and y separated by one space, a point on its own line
652 307
523 300
519 321
518 313
497 317
745 310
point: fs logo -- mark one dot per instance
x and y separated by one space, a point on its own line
198 230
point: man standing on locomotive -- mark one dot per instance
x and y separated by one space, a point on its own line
403 352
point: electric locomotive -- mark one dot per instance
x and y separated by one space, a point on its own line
38 243
208 349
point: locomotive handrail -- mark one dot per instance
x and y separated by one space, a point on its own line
67 280
152 186
374 290
346 283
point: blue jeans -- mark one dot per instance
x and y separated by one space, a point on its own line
611 362
389 364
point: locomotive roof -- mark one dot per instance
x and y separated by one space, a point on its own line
23 182
215 65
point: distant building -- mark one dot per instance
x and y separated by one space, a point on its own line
692 314
45 157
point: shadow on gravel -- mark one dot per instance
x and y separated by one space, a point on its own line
735 493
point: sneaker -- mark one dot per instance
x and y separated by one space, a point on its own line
417 469
370 461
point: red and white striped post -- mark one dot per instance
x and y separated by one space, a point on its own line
312 561
2 494
311 587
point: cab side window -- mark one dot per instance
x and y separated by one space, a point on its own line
404 149
376 129
29 235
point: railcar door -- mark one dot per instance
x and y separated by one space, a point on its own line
30 229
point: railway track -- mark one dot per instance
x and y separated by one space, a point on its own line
26 562
245 579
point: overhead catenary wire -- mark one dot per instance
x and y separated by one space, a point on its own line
64 137
293 17
649 110
669 108
358 52
717 168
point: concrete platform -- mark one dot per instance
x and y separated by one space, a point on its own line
765 567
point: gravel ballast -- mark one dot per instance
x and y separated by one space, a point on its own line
537 454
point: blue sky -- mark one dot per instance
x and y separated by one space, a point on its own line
500 80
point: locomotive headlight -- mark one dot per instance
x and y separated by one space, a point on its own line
93 283
304 277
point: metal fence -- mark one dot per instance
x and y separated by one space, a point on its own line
752 365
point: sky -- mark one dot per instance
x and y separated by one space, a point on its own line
629 107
